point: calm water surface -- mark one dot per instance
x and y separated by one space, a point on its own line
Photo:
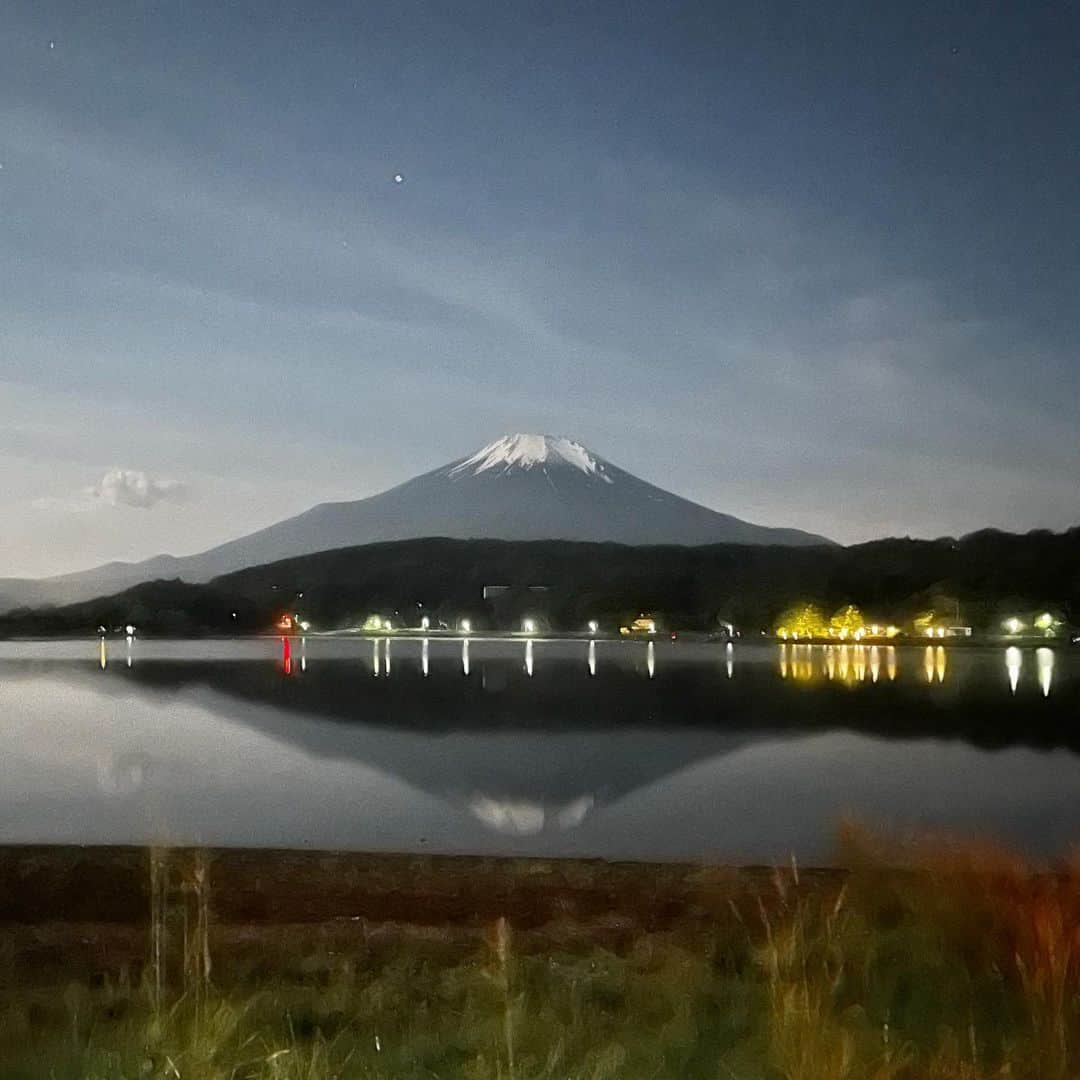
681 750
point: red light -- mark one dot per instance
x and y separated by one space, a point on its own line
286 655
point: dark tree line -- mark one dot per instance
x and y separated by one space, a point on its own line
986 575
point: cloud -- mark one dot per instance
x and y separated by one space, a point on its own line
132 487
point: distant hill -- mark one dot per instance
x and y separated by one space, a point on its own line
988 574
520 487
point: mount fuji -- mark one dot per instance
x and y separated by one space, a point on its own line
520 487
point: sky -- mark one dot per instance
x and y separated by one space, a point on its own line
814 265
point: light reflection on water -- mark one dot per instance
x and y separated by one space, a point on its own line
849 664
648 749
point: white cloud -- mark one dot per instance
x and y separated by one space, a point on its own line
132 487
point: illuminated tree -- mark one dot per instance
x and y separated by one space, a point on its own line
848 622
802 621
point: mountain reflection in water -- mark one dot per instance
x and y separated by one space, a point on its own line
620 749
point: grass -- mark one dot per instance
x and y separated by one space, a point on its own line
929 960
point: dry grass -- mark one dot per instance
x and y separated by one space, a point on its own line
934 960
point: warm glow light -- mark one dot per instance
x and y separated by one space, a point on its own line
425 622
803 621
1044 660
651 660
529 626
466 626
1013 625
1014 661
860 662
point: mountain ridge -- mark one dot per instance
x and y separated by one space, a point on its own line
519 487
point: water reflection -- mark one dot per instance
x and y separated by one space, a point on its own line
386 655
855 664
651 660
1044 661
529 657
1014 663
683 762
375 657
730 653
103 659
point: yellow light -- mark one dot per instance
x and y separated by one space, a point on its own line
1014 661
1044 659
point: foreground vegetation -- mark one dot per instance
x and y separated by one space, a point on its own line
933 963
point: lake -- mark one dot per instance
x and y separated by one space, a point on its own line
618 749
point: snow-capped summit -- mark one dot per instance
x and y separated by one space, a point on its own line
529 451
520 487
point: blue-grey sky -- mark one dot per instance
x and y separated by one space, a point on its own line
810 264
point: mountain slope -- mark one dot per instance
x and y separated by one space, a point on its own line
520 487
